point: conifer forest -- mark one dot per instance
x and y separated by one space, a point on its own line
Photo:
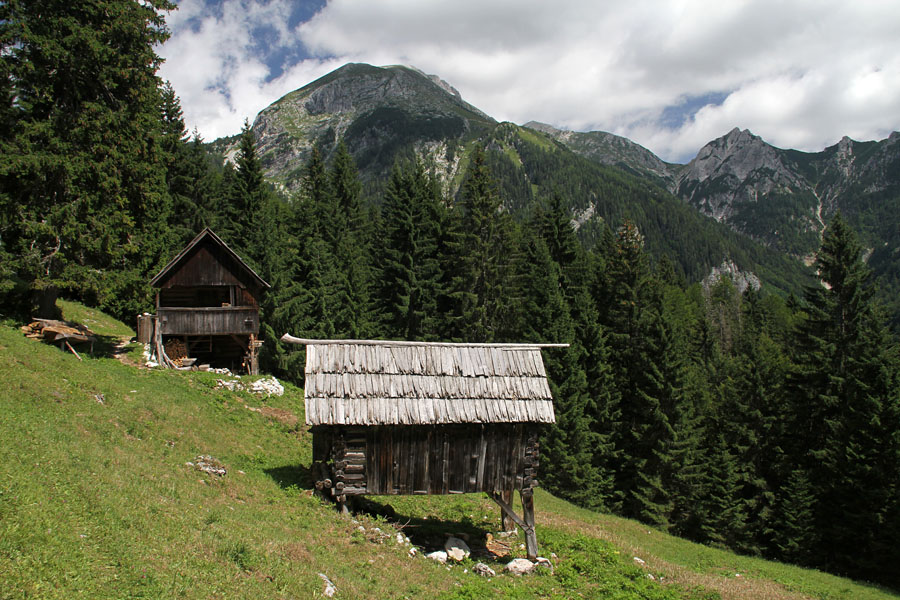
764 422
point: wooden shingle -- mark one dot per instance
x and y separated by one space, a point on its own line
363 382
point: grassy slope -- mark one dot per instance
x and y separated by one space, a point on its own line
96 501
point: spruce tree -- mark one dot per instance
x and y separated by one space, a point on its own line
845 425
412 217
355 316
477 268
81 169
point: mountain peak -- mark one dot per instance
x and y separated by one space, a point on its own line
368 107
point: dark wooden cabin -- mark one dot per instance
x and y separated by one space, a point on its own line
209 299
427 418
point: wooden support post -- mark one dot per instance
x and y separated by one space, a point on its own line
531 547
507 523
508 510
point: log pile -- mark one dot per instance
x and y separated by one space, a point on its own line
54 331
59 332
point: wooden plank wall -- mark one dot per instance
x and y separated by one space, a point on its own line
208 321
438 459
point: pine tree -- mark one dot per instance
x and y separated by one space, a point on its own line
478 265
654 436
412 215
848 408
589 345
81 170
355 316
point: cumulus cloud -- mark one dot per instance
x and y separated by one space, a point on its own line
800 74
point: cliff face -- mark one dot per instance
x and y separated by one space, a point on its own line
784 197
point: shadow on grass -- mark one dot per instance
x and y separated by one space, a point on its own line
431 533
291 476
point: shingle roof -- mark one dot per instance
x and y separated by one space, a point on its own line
367 382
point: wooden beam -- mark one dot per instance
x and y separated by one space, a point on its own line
288 338
511 513
531 547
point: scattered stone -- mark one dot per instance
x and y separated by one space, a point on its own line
508 534
361 529
208 464
228 384
330 589
413 551
519 566
540 561
484 570
268 386
456 549
100 398
553 556
639 561
401 540
651 577
438 555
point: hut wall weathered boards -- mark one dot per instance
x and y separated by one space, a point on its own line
208 298
427 418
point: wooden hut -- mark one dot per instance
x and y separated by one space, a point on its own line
427 418
208 302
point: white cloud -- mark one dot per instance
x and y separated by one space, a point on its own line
800 74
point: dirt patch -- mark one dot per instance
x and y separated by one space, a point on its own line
120 352
281 415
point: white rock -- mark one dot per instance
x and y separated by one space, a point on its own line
268 386
456 548
519 566
438 555
639 561
540 561
413 551
330 589
484 570
400 539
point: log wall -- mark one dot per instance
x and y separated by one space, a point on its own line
425 459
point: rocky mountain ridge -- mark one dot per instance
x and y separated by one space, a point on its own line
779 198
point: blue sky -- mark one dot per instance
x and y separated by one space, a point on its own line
669 74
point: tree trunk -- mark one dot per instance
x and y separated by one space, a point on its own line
45 303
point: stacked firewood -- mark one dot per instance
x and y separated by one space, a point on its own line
176 350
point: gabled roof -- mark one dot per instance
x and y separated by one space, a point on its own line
369 382
206 234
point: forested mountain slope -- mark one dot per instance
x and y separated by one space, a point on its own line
392 113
